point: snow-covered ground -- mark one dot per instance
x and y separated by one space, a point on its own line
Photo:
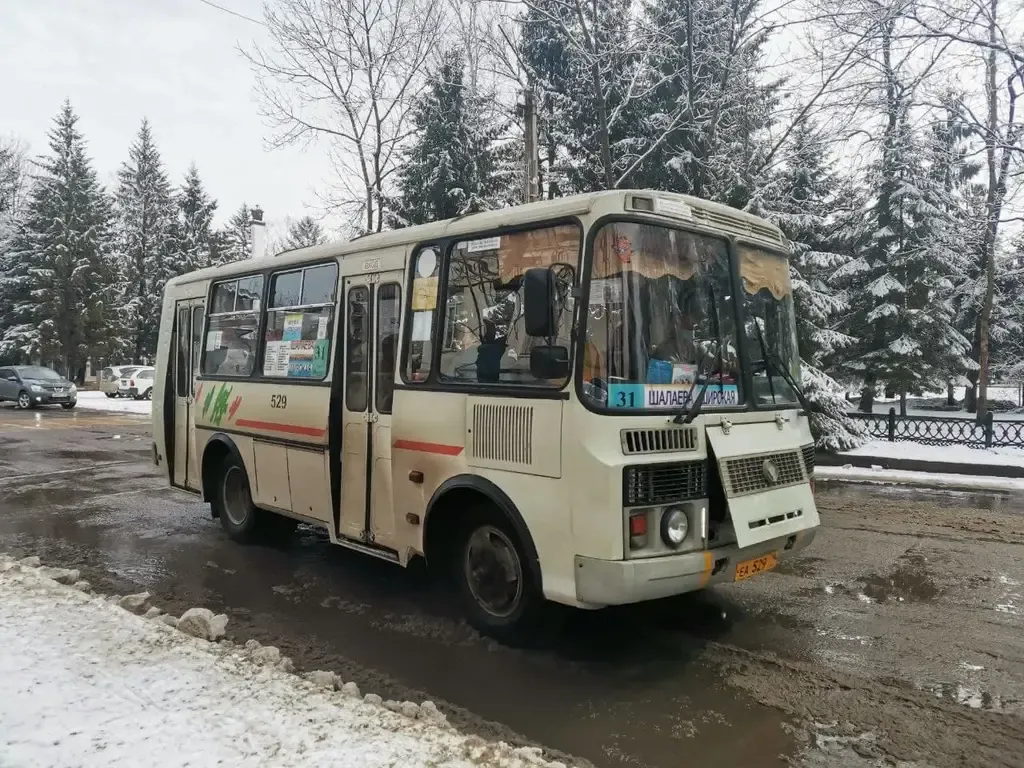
921 479
85 683
951 454
97 401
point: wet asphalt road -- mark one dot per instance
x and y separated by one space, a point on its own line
898 636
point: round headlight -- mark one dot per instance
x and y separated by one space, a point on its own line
674 526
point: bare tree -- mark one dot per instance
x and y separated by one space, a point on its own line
347 72
14 175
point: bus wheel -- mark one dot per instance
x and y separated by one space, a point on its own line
239 516
497 588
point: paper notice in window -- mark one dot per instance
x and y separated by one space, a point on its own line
292 327
424 293
272 358
421 322
213 340
321 328
487 244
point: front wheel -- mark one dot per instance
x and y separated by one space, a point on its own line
24 401
67 406
497 587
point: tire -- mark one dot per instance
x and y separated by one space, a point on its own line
497 589
111 395
241 519
148 395
25 401
68 406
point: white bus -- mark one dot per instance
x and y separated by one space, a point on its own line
591 400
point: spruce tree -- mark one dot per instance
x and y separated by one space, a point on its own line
58 290
146 218
304 233
449 170
196 240
234 242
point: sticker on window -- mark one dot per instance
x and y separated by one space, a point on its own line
213 340
424 293
487 244
421 324
292 327
275 358
670 396
321 328
319 367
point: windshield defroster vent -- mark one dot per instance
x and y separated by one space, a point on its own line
669 440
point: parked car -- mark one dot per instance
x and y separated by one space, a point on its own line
33 385
139 385
110 378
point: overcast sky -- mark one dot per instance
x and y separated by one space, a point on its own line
173 61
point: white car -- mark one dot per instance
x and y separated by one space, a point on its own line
111 376
137 385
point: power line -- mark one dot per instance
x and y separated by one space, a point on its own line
233 13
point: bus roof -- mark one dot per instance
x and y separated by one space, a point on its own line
711 214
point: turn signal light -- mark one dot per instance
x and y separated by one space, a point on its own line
638 530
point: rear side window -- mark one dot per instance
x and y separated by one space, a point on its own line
145 375
108 373
232 338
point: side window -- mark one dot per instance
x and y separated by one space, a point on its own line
423 305
300 321
197 343
388 309
231 338
357 359
485 338
6 374
181 368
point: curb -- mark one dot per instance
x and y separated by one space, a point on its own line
916 465
832 475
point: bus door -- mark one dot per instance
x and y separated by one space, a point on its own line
188 332
372 309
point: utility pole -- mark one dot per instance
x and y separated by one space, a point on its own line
532 191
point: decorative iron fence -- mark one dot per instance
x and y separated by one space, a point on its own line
944 431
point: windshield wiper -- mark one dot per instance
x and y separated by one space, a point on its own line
698 402
772 361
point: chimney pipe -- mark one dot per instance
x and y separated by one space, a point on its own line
257 233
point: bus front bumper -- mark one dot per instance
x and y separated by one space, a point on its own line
616 582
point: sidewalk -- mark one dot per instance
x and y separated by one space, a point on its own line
87 683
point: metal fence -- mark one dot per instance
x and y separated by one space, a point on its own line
989 433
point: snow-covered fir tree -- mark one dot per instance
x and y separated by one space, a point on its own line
196 241
58 287
303 233
818 214
234 242
450 168
145 224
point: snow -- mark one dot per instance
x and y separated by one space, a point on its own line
922 479
951 454
89 684
97 401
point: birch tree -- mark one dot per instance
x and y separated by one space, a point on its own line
346 73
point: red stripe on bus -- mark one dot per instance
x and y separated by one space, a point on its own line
415 445
290 429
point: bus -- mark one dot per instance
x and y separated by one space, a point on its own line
591 400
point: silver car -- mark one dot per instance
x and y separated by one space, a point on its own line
33 385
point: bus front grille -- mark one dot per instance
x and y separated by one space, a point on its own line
668 440
664 483
750 474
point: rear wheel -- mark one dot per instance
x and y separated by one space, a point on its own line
111 395
24 401
498 591
239 516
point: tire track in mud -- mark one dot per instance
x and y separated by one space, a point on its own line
901 723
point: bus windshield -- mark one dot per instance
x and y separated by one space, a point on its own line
770 325
660 320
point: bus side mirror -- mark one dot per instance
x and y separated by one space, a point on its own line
539 297
549 362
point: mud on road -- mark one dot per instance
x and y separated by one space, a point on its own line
898 636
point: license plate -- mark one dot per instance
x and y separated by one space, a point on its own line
59 397
756 565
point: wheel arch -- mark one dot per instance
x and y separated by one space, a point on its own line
452 497
216 449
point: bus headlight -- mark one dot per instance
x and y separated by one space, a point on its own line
674 527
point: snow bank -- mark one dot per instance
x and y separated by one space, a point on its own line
921 479
952 454
97 401
87 683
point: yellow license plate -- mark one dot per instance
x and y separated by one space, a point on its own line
755 565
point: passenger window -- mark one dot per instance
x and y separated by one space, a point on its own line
300 319
485 337
181 365
423 304
232 335
356 358
197 344
388 309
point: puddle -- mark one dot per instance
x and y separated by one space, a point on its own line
968 695
905 583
